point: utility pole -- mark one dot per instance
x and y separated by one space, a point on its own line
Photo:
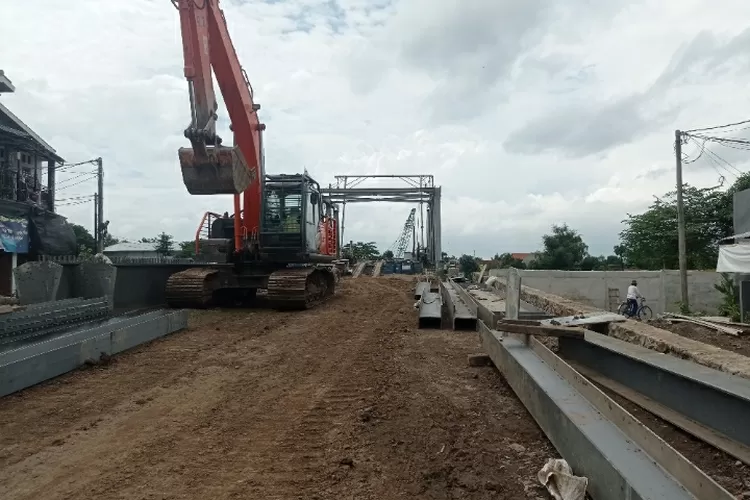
100 206
96 220
681 246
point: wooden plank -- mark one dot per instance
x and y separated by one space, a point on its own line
714 326
544 331
530 322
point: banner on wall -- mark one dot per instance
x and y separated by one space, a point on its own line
14 234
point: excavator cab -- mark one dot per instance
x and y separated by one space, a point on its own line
292 218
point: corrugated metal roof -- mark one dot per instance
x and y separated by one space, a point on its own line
131 247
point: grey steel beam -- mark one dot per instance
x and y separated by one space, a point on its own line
421 288
719 403
390 199
35 362
436 222
461 317
377 191
622 458
430 310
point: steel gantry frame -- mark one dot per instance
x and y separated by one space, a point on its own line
419 189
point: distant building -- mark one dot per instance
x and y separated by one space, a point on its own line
28 224
526 258
132 251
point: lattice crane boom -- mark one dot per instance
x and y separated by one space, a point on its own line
402 243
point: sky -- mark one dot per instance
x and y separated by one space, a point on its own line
528 113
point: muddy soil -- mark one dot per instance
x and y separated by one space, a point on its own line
348 400
740 345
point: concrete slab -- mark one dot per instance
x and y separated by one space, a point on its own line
97 279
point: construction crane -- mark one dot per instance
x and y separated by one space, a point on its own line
283 233
399 246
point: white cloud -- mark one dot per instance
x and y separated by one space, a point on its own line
527 113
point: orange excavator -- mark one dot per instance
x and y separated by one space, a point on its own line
283 235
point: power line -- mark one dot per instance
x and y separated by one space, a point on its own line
716 127
93 176
64 181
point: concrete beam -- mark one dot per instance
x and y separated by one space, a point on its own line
693 394
460 315
358 269
513 295
622 458
430 310
38 361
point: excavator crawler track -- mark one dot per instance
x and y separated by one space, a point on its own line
295 289
192 288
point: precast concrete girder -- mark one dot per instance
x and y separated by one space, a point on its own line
622 458
710 404
36 361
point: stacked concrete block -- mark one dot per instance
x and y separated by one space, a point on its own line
37 281
96 279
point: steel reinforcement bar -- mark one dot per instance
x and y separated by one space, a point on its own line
37 361
712 405
46 317
622 458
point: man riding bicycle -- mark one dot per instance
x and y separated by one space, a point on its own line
633 295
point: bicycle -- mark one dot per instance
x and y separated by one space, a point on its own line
644 313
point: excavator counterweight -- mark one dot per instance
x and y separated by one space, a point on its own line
221 170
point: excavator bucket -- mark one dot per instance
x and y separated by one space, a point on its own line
223 171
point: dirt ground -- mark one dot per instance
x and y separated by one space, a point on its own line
740 345
345 401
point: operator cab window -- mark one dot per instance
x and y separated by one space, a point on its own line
283 211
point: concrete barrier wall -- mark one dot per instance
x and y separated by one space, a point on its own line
637 332
135 285
661 288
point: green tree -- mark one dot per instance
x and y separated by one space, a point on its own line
649 240
163 243
592 263
468 264
187 249
564 249
360 251
725 203
388 255
84 239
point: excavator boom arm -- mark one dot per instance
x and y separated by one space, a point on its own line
209 168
